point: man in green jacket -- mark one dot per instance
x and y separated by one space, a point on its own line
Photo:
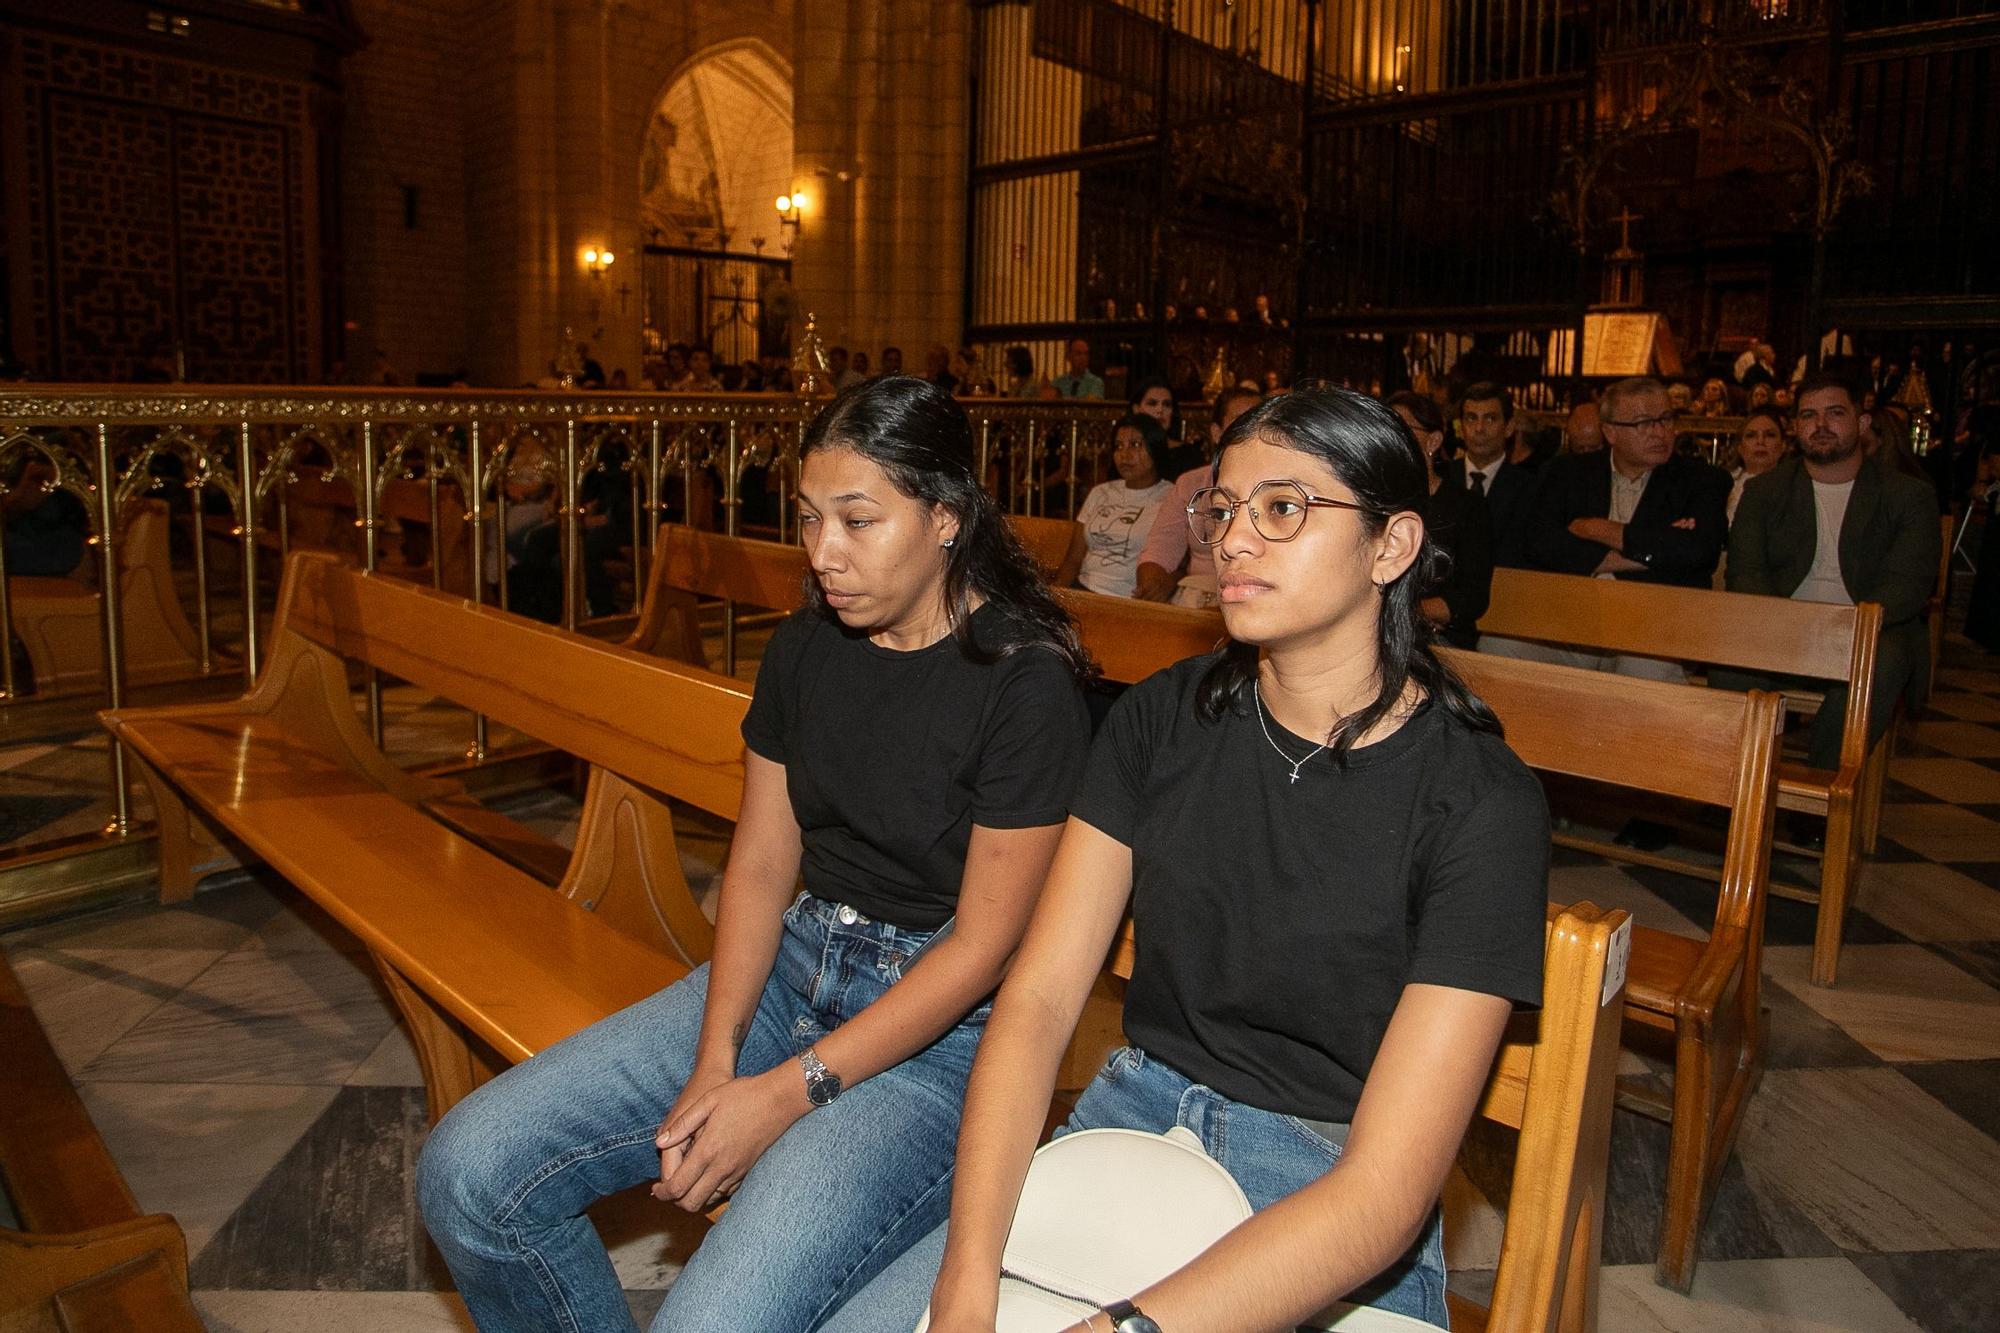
1834 525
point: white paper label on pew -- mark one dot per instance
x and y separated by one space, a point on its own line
1615 959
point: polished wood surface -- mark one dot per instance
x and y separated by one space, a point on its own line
1774 634
1056 543
486 962
666 726
1771 635
60 625
86 1258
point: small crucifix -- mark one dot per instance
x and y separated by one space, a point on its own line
1625 218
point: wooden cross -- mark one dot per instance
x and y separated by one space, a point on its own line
1626 217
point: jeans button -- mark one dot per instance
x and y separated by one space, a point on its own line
847 915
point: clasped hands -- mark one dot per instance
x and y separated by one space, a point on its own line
718 1128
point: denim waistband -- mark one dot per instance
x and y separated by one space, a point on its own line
838 916
1333 1131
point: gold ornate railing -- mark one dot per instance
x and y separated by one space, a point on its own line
242 468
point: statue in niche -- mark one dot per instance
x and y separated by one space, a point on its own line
679 193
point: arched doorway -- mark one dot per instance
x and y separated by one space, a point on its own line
718 153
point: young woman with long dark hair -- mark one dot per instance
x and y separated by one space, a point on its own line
1337 874
912 743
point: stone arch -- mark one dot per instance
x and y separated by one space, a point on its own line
717 149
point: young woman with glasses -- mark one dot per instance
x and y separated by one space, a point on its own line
1336 871
912 744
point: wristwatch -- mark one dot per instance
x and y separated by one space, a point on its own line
1129 1318
822 1084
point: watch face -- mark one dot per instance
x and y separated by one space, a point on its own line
821 1091
1137 1323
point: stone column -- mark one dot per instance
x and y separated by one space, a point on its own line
881 91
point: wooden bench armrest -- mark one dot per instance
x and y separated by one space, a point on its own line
1728 946
1843 781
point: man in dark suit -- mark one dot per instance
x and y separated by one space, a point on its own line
1630 511
1485 419
1834 525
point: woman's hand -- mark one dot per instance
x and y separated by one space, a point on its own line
717 1130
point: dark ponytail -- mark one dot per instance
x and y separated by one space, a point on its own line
917 434
1372 453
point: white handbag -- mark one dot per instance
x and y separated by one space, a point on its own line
1105 1213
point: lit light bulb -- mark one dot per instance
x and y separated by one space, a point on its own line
590 255
606 257
784 203
798 201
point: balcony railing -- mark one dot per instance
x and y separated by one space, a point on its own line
192 497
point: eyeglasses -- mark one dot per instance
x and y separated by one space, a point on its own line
1279 518
1664 421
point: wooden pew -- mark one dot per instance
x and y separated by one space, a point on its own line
1552 1080
85 1259
1772 635
1056 543
689 565
61 627
487 964
321 515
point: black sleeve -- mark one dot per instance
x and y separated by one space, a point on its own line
768 719
1546 539
1114 781
1749 555
1035 747
1467 537
1685 552
1479 923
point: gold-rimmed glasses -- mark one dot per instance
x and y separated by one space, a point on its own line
1278 517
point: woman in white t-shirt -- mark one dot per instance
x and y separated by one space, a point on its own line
1117 515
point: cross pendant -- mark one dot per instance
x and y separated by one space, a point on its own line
1295 775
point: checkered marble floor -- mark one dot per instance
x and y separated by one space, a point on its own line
250 1076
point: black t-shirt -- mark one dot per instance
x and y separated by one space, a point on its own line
891 757
1277 923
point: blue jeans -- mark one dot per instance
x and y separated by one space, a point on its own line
505 1177
1270 1155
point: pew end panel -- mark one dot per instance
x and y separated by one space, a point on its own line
1637 734
1552 1080
84 1258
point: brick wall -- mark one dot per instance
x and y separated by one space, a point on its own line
407 98
520 125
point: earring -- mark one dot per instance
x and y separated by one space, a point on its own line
949 540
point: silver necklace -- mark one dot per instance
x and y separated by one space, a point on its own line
1257 694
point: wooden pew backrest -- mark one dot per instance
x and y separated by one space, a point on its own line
1754 633
686 743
